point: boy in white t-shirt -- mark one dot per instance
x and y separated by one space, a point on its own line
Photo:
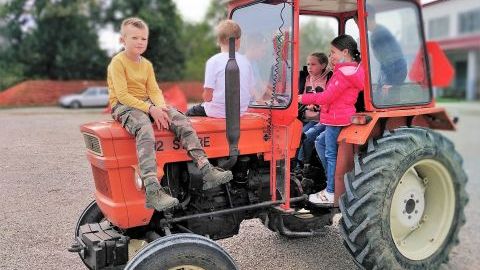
214 87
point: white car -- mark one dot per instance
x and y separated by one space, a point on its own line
95 96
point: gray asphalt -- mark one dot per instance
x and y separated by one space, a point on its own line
46 181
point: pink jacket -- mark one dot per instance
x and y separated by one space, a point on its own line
338 100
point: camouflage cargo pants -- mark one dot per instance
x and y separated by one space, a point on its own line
139 124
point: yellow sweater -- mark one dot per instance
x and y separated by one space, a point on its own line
132 83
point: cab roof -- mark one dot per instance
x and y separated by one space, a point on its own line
330 6
312 6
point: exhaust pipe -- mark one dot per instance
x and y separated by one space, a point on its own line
232 107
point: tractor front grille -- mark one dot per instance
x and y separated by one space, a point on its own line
101 181
93 144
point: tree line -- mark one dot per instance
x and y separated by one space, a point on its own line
58 39
47 39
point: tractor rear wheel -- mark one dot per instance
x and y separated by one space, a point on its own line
182 251
404 201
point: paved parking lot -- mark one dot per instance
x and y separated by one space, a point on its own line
45 183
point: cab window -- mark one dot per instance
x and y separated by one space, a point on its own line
267 43
397 69
316 33
351 29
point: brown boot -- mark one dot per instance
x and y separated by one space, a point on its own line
157 199
214 176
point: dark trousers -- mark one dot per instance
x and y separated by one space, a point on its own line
197 110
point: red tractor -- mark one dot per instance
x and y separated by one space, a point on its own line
399 185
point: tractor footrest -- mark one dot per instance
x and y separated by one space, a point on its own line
103 246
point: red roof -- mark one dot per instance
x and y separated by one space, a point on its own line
460 43
434 3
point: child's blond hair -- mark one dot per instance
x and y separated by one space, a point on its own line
133 21
227 29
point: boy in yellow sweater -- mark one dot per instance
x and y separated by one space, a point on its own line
135 98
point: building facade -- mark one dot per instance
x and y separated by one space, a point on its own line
455 25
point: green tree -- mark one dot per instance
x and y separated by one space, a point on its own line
314 37
165 49
200 41
11 71
50 39
200 45
216 12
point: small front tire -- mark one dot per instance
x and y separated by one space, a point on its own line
182 251
91 214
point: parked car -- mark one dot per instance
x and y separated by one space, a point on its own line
95 96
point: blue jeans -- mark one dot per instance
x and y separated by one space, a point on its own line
312 130
393 73
326 146
308 125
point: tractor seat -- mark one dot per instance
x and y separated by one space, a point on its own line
248 121
111 128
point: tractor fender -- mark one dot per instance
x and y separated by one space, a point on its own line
379 122
434 118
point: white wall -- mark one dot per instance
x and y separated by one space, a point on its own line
451 8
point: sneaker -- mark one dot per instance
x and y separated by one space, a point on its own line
321 198
214 176
156 198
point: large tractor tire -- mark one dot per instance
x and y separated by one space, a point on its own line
182 251
404 201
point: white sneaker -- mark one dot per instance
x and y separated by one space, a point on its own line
322 197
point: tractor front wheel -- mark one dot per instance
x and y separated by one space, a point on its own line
182 251
404 202
91 214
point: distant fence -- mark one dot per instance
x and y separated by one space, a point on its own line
47 92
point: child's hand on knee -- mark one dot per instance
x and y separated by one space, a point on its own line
160 117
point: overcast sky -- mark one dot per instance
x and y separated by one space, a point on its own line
192 10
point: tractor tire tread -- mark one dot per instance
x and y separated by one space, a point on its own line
361 224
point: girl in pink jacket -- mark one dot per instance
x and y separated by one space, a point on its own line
337 104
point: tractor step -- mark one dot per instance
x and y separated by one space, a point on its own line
315 205
100 246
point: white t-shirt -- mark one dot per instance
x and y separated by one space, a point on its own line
215 79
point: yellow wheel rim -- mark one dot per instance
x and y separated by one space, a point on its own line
422 209
134 246
186 267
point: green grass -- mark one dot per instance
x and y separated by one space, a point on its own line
449 100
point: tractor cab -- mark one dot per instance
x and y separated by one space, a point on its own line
399 185
277 37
